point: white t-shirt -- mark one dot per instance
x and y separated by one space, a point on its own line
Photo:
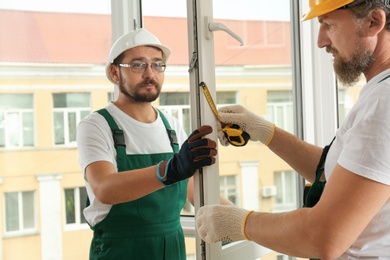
362 146
95 143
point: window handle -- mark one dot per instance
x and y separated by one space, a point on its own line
212 27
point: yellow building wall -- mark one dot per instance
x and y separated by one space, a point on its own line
26 247
19 168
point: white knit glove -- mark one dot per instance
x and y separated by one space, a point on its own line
258 128
221 223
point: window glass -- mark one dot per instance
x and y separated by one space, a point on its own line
16 120
285 199
71 100
20 211
226 97
69 109
260 73
178 105
280 109
70 207
174 98
12 212
28 210
347 97
75 200
229 188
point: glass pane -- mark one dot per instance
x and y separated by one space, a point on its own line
13 127
72 123
59 100
64 100
187 120
174 98
260 72
84 114
226 97
59 128
12 211
70 206
2 130
78 99
279 188
28 129
28 210
7 101
83 200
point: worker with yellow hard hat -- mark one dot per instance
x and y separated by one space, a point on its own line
347 211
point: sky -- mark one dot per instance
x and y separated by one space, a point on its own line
73 6
223 9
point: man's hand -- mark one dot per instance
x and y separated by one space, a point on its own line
257 127
221 223
196 152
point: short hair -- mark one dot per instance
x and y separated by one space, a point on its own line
361 11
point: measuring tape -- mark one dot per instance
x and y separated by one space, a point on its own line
233 133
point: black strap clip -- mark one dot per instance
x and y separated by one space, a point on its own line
119 138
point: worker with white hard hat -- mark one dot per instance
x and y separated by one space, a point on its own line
134 39
346 213
137 161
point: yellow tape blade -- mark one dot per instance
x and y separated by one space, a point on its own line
209 98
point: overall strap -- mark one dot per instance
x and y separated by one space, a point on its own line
171 133
117 134
320 166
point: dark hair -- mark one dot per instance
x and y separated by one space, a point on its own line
361 11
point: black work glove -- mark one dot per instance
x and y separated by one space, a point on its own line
196 152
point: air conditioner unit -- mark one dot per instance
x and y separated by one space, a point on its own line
268 191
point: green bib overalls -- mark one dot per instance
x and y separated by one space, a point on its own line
147 228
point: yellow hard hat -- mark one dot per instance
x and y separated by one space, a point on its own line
320 7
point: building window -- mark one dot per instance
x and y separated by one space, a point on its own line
285 182
228 188
75 200
68 110
16 120
20 212
177 104
280 109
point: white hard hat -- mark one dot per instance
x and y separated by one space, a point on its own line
140 37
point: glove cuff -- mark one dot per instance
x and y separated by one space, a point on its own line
162 179
171 172
266 132
244 224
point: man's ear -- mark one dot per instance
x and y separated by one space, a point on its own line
377 22
114 72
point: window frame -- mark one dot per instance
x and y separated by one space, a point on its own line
20 112
65 113
78 213
21 231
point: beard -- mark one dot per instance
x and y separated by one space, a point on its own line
348 72
135 93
